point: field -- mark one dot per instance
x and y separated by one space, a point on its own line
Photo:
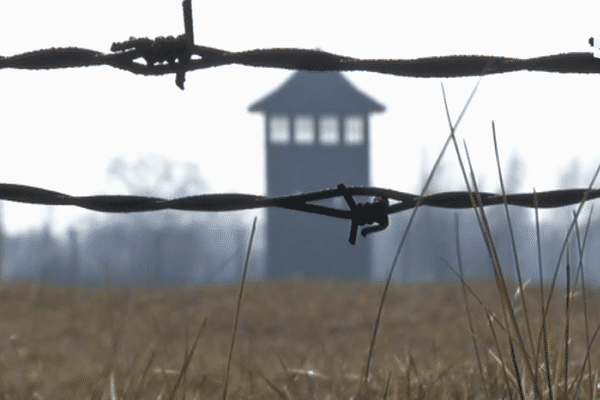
312 340
295 340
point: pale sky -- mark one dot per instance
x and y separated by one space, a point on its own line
61 128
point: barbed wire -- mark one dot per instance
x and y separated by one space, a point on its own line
178 55
165 55
374 213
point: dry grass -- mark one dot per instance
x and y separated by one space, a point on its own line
297 338
312 340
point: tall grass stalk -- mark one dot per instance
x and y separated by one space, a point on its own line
513 243
507 307
407 229
187 360
567 314
238 308
404 236
530 356
468 310
565 242
499 276
580 269
543 327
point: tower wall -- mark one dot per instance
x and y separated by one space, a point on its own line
315 246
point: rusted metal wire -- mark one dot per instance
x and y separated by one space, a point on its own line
373 213
179 55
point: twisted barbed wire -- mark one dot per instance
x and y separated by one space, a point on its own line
374 213
176 55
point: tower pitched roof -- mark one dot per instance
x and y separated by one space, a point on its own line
314 92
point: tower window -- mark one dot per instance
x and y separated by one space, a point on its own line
304 129
329 131
280 129
354 130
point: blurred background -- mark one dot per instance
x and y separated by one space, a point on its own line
100 130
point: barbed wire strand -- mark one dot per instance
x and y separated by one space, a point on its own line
374 212
178 55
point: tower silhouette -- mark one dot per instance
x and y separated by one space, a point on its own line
317 136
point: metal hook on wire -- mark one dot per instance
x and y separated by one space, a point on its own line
366 213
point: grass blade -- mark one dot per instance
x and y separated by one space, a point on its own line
138 393
544 327
584 295
466 300
585 360
514 245
567 298
187 360
238 307
405 235
564 245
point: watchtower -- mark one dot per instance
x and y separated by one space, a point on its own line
317 136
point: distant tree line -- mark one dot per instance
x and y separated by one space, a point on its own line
137 253
432 238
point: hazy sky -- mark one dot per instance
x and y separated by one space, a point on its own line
61 128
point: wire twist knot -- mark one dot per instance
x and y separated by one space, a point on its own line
162 49
366 214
